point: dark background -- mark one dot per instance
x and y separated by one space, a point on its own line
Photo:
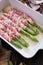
17 58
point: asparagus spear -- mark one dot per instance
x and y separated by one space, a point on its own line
34 29
40 28
22 41
27 43
16 44
31 32
10 63
29 35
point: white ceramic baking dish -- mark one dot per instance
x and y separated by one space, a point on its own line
38 18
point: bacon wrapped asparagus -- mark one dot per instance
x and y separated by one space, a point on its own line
21 28
16 16
9 32
13 22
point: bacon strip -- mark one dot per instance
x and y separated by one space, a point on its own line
12 21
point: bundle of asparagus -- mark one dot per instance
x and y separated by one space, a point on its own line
12 35
14 22
21 18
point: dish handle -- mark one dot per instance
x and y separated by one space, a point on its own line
41 46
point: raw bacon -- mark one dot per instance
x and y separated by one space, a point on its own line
12 21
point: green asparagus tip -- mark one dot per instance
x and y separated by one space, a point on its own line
25 41
29 35
40 28
16 44
22 42
37 32
35 39
31 32
33 28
